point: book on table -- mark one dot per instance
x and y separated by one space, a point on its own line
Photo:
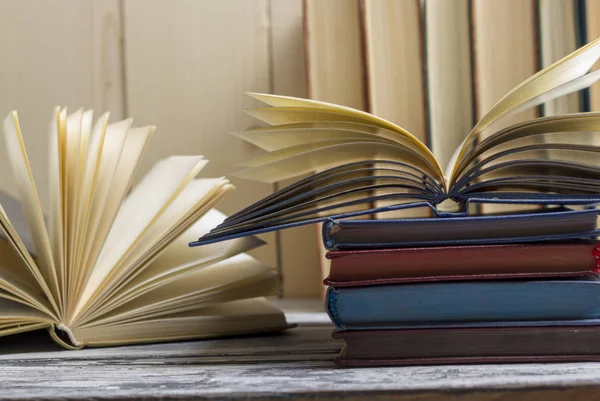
110 262
368 165
464 285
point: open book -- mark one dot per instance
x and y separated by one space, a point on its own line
110 265
369 165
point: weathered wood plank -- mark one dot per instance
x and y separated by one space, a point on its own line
296 365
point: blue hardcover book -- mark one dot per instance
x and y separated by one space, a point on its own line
366 165
466 304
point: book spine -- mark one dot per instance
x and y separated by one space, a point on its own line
331 307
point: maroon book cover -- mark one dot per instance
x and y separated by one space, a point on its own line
479 262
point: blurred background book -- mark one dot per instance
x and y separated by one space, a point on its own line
433 67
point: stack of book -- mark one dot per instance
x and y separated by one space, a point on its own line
465 289
504 268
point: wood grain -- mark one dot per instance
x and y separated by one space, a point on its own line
295 365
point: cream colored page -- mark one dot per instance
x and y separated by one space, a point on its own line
72 151
281 139
74 272
92 162
193 197
179 258
112 145
179 254
323 158
281 154
47 302
550 127
361 116
15 311
133 147
150 245
273 138
569 68
143 206
55 222
17 279
29 198
213 280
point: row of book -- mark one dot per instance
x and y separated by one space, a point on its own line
491 289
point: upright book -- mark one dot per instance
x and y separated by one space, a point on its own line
364 159
110 264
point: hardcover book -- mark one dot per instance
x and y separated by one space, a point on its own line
469 345
362 267
466 303
364 160
110 263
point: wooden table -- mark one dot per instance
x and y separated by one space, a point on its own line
296 365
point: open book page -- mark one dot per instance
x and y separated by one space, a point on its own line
31 204
192 202
87 189
178 258
238 277
133 147
343 114
146 202
231 318
569 68
17 282
160 207
511 154
16 317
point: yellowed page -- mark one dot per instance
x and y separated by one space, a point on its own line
17 279
76 216
55 221
572 123
211 284
148 200
330 156
193 201
569 68
44 300
133 148
72 154
282 102
88 185
30 201
179 258
112 145
273 138
286 138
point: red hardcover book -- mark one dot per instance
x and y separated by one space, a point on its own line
479 262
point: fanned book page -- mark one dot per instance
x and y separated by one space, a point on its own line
111 264
363 159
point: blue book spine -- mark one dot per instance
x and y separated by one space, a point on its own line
464 304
